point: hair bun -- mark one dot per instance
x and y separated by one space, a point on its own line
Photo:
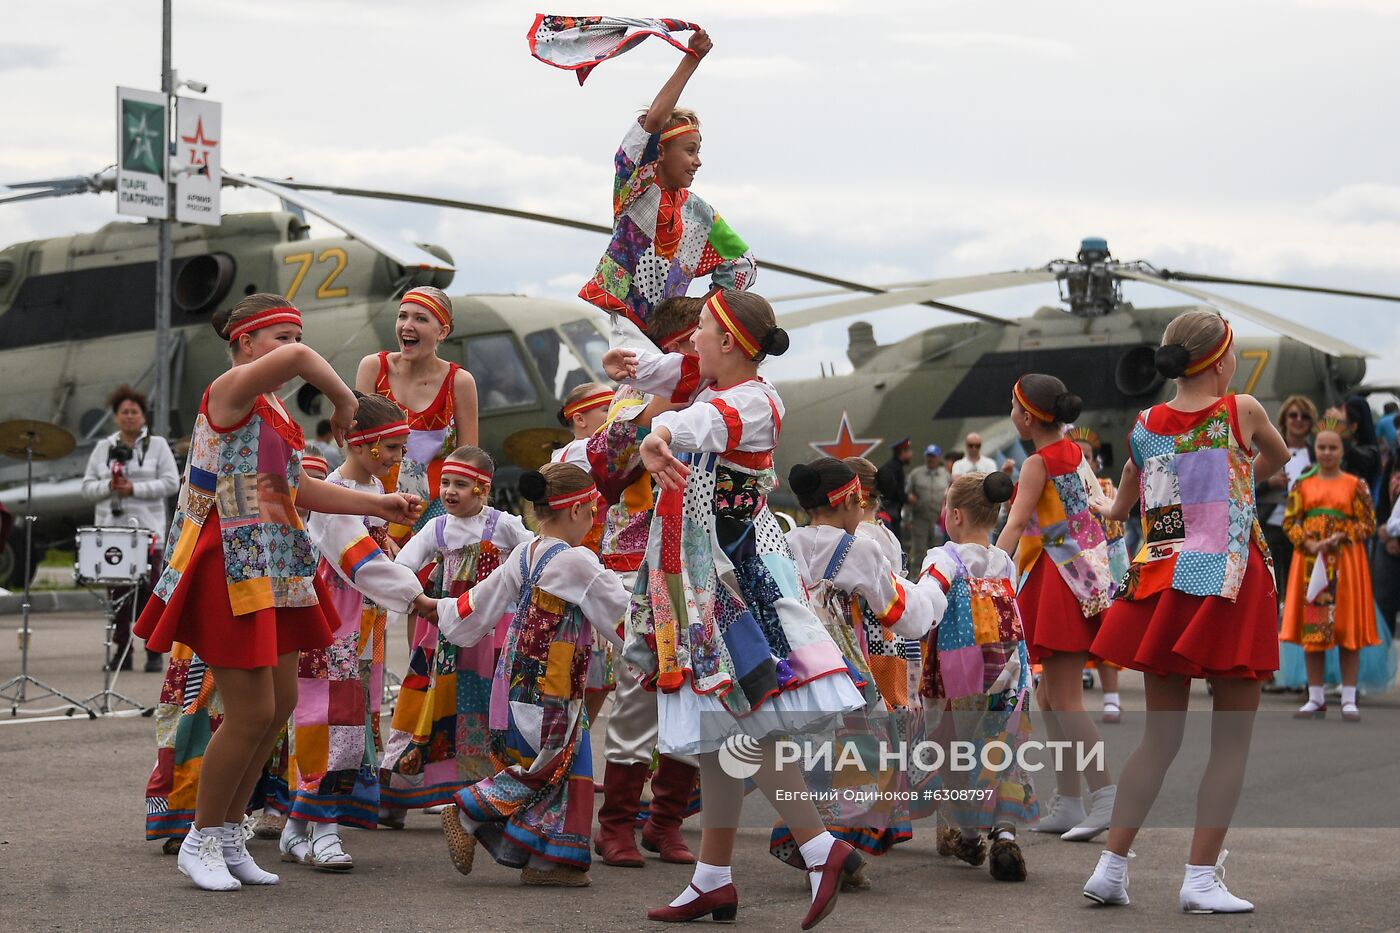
775 342
533 487
1067 407
1172 360
997 487
560 415
804 480
219 321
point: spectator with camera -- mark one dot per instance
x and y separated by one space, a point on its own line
130 475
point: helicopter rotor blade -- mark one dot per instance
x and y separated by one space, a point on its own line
845 285
1324 342
1257 283
105 180
942 288
405 254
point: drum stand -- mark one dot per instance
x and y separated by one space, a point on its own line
112 669
16 688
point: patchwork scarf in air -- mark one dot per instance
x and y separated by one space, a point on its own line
580 43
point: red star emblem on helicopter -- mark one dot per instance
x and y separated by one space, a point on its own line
846 444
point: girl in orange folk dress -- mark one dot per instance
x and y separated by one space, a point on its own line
1329 600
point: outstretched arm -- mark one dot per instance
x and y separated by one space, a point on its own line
231 396
670 94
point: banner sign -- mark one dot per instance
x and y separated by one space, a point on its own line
142 131
197 135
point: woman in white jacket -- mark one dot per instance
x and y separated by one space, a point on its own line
135 495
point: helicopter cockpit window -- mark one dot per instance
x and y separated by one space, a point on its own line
502 380
558 364
587 340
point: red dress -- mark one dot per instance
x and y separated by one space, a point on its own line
1052 614
1166 622
432 435
199 611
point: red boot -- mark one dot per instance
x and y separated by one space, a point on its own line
616 840
670 796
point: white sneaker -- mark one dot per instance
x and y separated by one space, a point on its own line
1099 815
1216 899
434 811
1065 814
240 864
201 859
1103 890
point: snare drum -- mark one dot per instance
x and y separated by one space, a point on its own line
113 555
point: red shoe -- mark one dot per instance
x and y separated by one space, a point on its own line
616 840
670 795
722 904
843 859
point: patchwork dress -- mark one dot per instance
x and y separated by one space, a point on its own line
439 740
432 435
976 681
579 453
239 590
539 801
1062 558
1198 600
662 238
719 622
335 727
877 618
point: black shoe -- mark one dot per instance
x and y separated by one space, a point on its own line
126 664
155 662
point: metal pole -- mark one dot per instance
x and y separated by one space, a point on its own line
160 426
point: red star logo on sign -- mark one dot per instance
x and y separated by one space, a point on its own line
198 142
846 445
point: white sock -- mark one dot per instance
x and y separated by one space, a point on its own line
1115 866
324 829
1111 698
1070 801
1348 695
706 878
540 864
1316 696
467 822
1199 877
814 853
1002 834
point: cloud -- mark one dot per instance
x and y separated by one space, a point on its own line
1378 7
14 56
1367 203
990 41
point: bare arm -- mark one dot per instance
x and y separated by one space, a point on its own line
1027 497
1127 495
670 94
464 406
316 495
367 374
231 396
1261 434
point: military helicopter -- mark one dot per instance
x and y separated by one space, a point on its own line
960 375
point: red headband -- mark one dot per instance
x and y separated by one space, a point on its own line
1213 357
725 315
588 403
670 341
457 468
565 500
679 129
313 464
1035 412
285 314
416 297
836 495
370 435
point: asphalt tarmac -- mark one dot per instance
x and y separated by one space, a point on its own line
1315 848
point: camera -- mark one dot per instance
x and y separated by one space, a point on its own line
117 459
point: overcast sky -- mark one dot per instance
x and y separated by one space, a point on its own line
883 141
